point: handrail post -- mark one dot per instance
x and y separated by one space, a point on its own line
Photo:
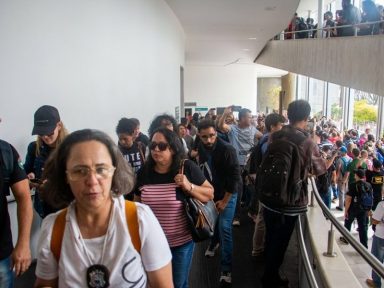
331 237
355 30
312 201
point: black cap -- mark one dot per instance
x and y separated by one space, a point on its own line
360 173
376 163
45 120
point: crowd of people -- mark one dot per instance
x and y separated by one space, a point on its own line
333 25
354 181
129 196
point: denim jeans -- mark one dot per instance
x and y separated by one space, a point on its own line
342 187
378 251
362 223
278 232
335 191
6 274
240 189
327 197
181 264
223 234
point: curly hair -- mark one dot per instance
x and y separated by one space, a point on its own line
126 125
57 192
159 120
175 146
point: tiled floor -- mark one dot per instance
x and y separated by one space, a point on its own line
358 265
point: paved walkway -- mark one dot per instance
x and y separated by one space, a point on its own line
358 265
247 271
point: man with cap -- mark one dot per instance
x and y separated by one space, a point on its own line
376 179
341 169
51 132
354 208
12 175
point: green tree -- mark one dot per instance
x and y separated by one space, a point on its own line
335 111
363 112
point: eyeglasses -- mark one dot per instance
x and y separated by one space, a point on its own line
205 137
161 145
81 173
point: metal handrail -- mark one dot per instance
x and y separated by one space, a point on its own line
307 264
371 260
335 27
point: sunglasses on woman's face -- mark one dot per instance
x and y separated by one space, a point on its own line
161 145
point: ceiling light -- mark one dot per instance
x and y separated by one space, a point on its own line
252 38
246 49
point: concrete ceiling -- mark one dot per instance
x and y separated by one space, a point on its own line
222 32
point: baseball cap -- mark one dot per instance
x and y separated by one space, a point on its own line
376 163
360 173
343 149
45 120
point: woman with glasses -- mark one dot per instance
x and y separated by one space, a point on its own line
97 244
50 133
161 186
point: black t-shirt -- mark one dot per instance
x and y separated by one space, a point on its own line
134 155
15 176
143 139
191 170
354 191
376 179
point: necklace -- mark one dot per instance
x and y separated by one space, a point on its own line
97 274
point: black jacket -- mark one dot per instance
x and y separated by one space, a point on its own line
223 171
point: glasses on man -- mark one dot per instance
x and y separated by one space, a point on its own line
81 173
206 137
161 145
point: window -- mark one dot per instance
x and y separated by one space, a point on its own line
316 96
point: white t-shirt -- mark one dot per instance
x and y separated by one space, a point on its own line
125 264
378 215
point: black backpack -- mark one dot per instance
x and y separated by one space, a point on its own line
279 176
365 195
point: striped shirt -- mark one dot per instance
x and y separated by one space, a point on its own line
159 191
168 210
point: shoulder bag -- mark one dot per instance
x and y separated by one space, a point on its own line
201 217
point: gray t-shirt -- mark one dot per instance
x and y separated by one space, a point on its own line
243 139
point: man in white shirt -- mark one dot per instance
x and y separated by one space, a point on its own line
377 242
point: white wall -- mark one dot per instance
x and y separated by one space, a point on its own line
221 86
95 60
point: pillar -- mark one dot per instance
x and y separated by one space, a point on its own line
288 84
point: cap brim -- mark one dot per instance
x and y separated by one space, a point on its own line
43 130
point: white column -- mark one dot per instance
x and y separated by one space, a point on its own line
320 13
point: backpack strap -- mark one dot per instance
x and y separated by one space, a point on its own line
133 224
57 234
130 216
